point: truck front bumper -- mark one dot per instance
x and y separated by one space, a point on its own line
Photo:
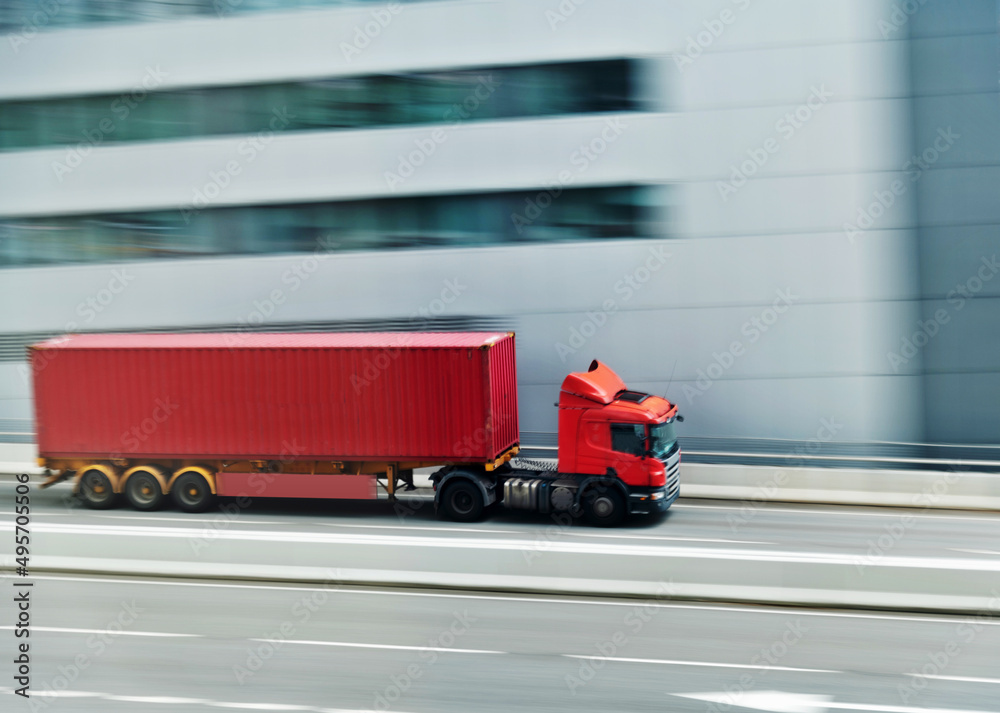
647 501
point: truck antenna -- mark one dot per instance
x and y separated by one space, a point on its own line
672 370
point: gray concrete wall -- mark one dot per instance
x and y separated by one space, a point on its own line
955 60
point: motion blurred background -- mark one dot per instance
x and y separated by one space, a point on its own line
781 213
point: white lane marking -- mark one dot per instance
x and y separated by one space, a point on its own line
262 706
804 703
523 533
977 552
782 611
379 646
965 679
220 519
700 664
175 700
566 547
167 700
59 630
50 693
843 512
664 537
450 530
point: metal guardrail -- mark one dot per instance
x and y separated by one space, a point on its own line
768 452
780 453
16 430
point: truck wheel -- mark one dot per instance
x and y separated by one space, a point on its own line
463 501
191 493
603 506
143 491
96 490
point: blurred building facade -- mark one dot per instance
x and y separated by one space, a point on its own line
782 214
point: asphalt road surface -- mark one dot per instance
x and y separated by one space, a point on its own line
865 533
146 645
132 645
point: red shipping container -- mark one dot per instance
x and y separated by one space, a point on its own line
394 396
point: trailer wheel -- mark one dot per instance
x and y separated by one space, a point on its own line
463 501
143 491
96 490
191 493
603 506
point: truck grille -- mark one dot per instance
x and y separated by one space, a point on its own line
673 466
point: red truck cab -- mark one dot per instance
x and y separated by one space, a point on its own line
606 429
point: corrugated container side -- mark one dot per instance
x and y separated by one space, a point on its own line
503 394
428 403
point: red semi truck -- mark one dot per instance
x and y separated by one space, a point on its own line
192 417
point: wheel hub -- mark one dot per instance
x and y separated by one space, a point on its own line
603 507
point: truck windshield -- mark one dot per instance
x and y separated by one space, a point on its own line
662 439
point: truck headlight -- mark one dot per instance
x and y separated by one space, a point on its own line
658 495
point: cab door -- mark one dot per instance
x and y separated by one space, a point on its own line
619 447
628 452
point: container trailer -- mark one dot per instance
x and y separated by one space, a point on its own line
194 417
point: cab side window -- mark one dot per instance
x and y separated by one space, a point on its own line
628 438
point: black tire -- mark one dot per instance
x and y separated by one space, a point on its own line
96 491
143 491
604 506
462 501
191 493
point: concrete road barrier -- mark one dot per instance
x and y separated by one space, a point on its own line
552 565
843 486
